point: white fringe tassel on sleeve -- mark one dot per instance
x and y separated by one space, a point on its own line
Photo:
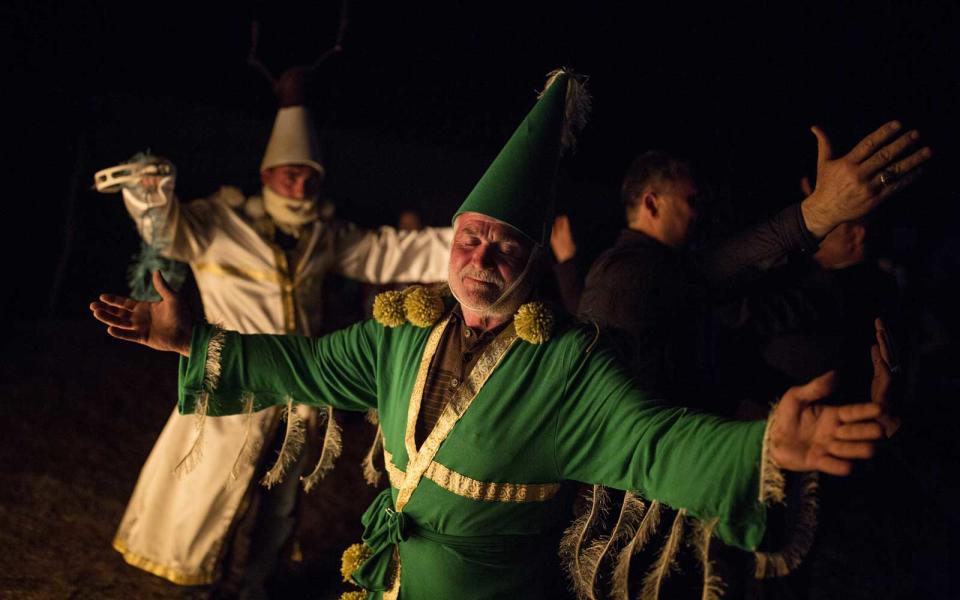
332 446
713 586
293 441
211 378
248 451
370 472
666 562
581 557
642 533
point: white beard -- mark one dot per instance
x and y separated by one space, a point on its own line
289 214
511 298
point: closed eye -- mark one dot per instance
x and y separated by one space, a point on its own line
468 241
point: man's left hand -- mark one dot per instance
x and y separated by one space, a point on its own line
851 186
808 435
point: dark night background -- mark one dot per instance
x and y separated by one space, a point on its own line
412 111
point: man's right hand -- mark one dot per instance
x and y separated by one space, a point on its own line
851 186
165 325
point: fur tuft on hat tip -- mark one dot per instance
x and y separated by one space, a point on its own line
577 107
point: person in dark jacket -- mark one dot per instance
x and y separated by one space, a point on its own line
654 296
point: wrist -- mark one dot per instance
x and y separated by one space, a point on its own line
815 218
183 341
771 472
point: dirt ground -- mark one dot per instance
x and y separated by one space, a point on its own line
80 412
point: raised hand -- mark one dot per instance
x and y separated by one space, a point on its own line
165 325
808 435
561 239
851 186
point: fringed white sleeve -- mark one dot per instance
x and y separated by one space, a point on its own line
800 498
249 451
293 441
771 476
666 561
332 446
211 378
578 552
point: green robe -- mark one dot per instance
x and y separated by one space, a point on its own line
474 512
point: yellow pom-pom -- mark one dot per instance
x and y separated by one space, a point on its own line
352 558
534 322
357 595
422 305
388 309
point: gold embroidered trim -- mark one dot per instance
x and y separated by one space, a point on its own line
280 277
241 272
474 489
467 487
286 291
463 398
393 472
168 573
416 396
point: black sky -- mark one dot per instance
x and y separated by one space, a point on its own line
734 86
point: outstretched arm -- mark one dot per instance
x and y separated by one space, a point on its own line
609 432
387 255
338 369
175 230
847 188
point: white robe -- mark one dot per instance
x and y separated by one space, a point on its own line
176 527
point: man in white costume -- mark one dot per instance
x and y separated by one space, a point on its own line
259 264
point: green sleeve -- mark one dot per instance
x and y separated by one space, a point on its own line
338 369
610 433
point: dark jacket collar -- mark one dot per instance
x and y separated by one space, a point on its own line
629 238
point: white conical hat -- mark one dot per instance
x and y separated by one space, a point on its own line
293 140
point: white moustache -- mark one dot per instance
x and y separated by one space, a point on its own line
480 275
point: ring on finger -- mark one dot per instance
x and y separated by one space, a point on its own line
888 177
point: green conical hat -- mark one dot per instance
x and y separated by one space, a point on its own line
518 187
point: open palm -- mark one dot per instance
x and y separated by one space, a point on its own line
164 325
807 435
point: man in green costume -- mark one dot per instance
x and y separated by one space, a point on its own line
489 403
